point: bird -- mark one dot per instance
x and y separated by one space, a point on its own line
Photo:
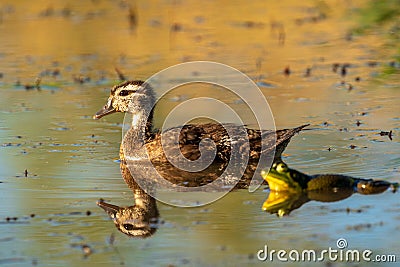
138 98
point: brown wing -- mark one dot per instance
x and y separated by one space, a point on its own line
191 135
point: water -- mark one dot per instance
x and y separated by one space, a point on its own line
71 160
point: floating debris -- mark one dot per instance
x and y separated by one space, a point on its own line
348 210
311 19
389 134
349 87
176 27
10 144
31 87
335 67
121 76
87 250
363 226
133 17
25 173
343 71
81 79
249 24
52 73
308 72
14 220
286 71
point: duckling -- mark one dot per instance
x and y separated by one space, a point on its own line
138 98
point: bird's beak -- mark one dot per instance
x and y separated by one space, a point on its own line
109 208
107 109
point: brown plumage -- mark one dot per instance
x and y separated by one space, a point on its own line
138 98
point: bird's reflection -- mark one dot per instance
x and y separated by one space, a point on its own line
290 189
139 220
134 221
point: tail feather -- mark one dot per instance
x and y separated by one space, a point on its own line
282 139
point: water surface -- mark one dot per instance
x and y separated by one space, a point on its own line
72 161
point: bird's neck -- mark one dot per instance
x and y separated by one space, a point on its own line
145 201
140 121
135 138
141 198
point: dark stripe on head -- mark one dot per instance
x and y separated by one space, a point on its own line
137 82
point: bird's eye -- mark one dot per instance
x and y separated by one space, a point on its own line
124 93
128 226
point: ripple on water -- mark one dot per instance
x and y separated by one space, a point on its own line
333 151
267 84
